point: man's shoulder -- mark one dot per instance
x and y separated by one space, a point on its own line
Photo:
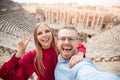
85 63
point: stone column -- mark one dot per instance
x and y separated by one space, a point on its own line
86 25
60 17
98 18
83 21
65 17
52 17
79 19
93 20
57 16
68 15
46 16
102 21
75 18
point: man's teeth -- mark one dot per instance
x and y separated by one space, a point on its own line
66 49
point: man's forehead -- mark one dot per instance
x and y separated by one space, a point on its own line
67 32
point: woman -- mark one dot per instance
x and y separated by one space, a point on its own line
42 60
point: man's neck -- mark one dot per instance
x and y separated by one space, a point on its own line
62 59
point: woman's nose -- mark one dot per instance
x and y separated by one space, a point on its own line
44 34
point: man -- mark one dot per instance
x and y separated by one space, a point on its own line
85 69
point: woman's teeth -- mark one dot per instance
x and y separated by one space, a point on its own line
46 39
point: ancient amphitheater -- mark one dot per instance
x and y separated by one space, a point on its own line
101 35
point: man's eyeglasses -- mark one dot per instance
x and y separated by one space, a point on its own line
71 39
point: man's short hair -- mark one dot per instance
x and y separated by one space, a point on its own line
69 27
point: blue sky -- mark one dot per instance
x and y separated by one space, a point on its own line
81 2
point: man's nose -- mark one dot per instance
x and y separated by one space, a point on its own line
66 41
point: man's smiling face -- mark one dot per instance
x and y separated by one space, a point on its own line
67 42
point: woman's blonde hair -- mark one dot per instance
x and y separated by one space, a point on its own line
39 66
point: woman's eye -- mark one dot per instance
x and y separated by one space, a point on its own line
47 31
39 33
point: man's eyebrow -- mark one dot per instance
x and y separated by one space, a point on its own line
62 36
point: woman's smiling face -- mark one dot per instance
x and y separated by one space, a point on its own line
44 36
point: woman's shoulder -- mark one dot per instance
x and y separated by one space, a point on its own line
28 56
31 52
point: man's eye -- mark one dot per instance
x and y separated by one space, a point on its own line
62 39
71 39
